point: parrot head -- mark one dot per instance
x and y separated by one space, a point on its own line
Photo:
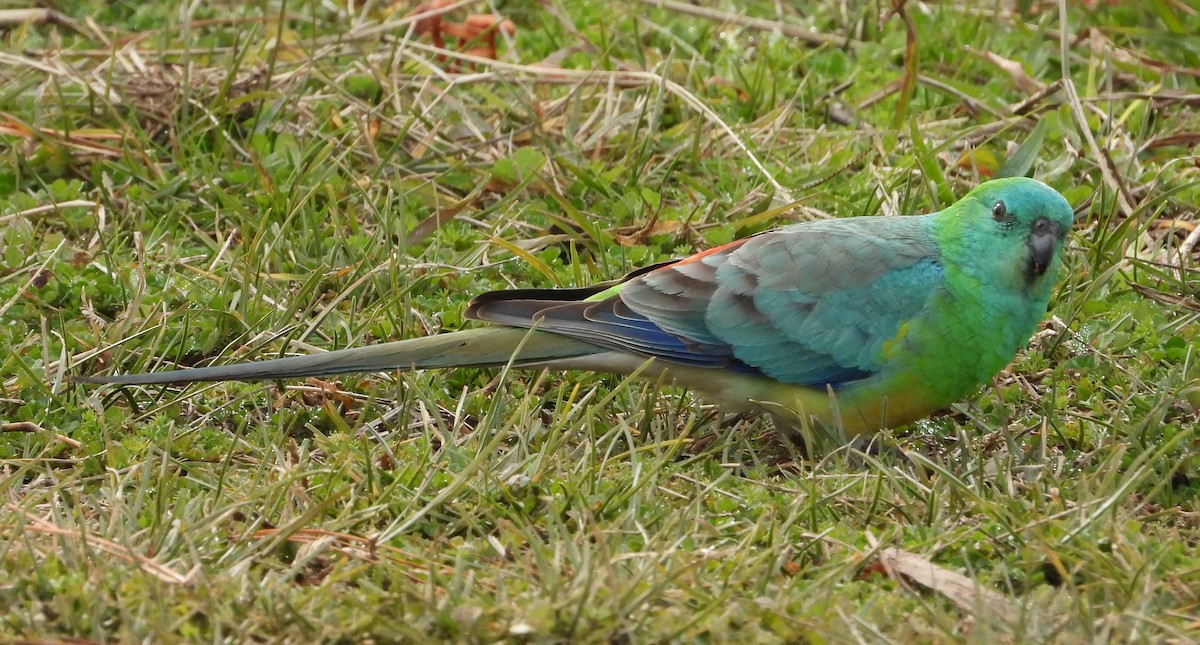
1013 230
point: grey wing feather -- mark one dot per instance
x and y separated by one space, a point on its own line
810 303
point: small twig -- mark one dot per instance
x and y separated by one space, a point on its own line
21 426
33 428
1023 107
970 101
33 16
48 208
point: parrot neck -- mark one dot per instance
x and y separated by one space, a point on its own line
987 302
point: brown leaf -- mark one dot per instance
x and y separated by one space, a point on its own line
328 392
969 595
475 35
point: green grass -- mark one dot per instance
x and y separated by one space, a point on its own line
234 198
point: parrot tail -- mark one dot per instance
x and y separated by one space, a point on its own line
485 347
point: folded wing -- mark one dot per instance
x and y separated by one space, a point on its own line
808 304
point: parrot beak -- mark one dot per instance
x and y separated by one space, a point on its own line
1043 242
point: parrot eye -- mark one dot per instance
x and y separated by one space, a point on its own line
999 212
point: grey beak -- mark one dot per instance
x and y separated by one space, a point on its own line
1043 241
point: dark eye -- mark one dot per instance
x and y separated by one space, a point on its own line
999 212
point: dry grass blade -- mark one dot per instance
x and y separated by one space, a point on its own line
543 74
85 142
792 31
1172 299
159 571
38 211
32 16
1176 139
1110 174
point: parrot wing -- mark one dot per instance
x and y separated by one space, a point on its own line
808 304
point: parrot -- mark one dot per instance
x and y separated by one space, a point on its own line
857 324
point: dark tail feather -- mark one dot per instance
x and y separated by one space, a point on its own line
487 347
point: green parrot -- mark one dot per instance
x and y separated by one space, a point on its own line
856 324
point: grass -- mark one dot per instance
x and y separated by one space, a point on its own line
195 183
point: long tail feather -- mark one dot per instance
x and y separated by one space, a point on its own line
491 346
